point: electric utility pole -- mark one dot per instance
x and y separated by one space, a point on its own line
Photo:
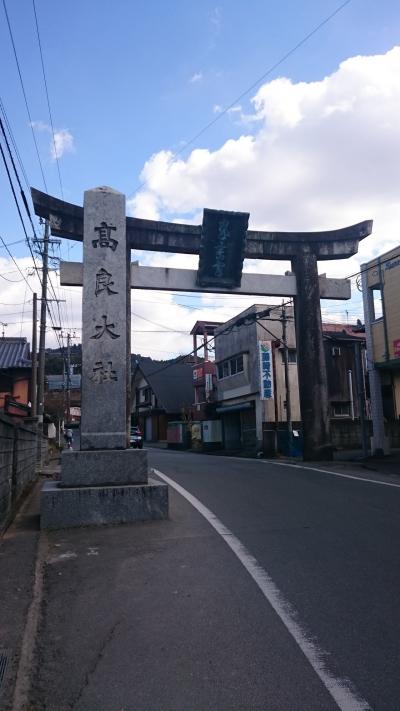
68 377
42 335
361 396
34 358
284 320
43 313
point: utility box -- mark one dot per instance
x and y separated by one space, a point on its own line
177 435
212 434
212 431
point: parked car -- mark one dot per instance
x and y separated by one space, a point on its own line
136 438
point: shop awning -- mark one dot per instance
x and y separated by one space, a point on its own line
226 409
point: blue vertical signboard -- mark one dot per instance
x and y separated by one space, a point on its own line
266 374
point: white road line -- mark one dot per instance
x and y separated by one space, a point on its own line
328 471
346 698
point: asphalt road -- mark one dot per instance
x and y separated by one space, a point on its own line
287 601
330 545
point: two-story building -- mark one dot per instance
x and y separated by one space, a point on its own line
251 379
381 299
253 390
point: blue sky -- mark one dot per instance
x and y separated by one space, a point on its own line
133 80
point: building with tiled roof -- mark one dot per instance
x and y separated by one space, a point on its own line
162 391
15 376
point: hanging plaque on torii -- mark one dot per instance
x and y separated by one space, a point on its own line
220 271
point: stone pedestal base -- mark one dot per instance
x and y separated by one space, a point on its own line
101 505
101 467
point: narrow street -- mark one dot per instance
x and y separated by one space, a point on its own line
165 616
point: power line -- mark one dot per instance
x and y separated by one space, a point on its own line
374 266
13 192
13 141
48 99
12 281
23 277
256 82
153 323
19 241
24 200
20 304
47 305
23 224
24 93
254 318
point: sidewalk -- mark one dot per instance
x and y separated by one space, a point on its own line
18 552
155 616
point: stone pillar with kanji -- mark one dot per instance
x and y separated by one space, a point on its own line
105 322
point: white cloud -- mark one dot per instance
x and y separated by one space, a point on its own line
215 19
62 143
322 155
195 78
235 109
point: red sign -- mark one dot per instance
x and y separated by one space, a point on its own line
15 408
396 346
198 373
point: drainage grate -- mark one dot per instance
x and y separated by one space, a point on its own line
3 667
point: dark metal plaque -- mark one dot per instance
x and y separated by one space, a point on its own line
222 248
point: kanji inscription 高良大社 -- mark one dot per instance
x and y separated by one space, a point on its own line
104 282
103 373
105 328
104 239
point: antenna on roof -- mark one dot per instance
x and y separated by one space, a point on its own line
4 326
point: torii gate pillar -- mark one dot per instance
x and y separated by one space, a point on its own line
313 383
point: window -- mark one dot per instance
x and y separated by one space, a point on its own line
200 395
236 365
232 366
292 355
376 292
341 409
336 350
145 395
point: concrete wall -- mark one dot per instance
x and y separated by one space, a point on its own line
18 457
347 434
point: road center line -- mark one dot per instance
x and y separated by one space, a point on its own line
346 698
328 471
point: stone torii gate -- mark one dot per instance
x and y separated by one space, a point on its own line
221 272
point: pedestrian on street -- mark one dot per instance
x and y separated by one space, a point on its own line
68 437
